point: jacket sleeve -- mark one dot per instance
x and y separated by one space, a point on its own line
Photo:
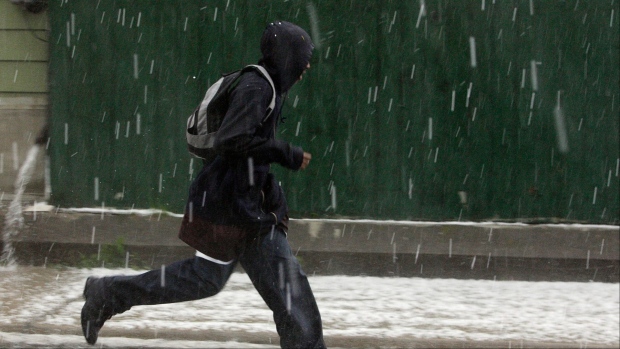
237 136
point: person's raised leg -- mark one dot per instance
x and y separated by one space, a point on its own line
185 280
277 276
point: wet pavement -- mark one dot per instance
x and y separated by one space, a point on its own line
39 307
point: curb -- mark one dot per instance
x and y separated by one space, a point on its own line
502 251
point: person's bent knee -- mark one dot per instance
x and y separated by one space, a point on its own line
212 275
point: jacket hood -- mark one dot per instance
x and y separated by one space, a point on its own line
286 50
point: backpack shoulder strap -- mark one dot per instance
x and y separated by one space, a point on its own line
263 71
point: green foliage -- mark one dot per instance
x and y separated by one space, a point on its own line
109 256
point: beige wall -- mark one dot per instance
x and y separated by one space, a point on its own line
24 56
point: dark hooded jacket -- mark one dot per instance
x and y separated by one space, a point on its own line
235 194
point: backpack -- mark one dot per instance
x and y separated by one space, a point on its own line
205 121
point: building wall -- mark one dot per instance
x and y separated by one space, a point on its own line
457 110
24 60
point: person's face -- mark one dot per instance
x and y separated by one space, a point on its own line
302 73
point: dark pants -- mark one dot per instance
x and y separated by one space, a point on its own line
268 261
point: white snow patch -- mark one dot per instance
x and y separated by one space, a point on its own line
373 307
72 341
489 224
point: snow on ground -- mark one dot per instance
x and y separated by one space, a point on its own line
18 340
474 310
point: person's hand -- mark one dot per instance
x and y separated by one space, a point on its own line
306 161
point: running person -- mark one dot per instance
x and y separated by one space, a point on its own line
236 211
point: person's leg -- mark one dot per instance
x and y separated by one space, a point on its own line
277 276
186 280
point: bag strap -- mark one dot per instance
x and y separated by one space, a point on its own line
263 71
